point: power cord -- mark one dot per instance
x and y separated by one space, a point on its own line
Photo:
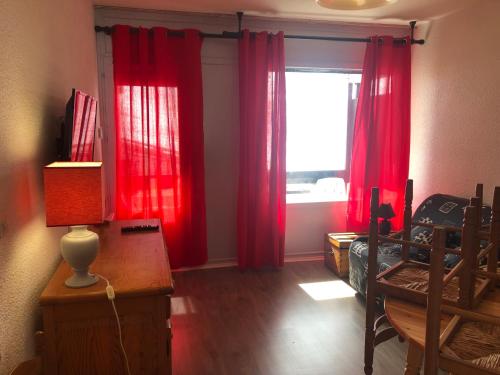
111 296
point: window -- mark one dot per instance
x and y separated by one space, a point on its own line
321 106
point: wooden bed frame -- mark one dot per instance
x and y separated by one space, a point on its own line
472 282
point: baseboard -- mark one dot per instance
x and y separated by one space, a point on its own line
232 262
304 257
216 263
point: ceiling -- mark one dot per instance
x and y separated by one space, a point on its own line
399 12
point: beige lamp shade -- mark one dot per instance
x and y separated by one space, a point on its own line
353 4
73 193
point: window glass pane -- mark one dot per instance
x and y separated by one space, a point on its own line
317 120
320 117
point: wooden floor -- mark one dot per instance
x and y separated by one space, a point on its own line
231 322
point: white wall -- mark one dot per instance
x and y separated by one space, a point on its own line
455 104
306 223
47 47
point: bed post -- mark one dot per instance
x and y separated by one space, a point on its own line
494 234
405 249
432 327
470 243
371 282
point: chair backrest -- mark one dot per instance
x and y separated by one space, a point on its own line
31 367
432 328
468 251
407 219
494 232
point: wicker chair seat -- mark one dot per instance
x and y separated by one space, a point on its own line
412 277
478 342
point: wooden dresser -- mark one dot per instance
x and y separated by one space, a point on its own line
80 334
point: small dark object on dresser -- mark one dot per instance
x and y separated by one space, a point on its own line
140 228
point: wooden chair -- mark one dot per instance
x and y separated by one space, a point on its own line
34 365
31 367
409 279
470 343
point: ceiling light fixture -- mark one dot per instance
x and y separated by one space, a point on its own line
353 4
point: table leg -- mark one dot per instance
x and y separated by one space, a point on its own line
413 360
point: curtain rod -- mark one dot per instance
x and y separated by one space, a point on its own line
237 34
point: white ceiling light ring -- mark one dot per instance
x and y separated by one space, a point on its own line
354 4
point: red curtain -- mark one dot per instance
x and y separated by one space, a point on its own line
159 136
381 142
262 175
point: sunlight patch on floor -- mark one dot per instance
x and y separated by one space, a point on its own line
326 290
182 306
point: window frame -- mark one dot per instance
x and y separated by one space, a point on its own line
313 176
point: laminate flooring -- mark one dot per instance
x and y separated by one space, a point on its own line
263 323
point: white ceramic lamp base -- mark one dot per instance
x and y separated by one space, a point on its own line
79 248
81 280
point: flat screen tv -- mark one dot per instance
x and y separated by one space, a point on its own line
78 129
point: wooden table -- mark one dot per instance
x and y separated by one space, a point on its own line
80 333
409 321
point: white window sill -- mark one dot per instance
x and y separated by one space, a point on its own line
314 198
330 189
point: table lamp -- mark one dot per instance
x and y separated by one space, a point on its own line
385 212
73 197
